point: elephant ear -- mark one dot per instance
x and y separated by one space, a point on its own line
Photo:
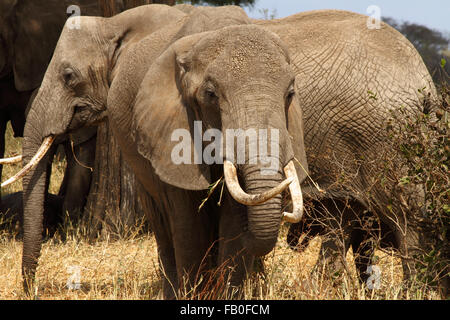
163 122
37 31
296 132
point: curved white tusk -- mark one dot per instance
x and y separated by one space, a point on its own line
296 194
241 196
46 144
11 160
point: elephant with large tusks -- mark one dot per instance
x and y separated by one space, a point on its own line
349 78
151 81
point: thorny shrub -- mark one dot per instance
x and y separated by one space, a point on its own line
422 140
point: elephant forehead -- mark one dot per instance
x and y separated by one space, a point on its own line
244 55
78 44
80 31
254 62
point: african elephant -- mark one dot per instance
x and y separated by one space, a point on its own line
349 78
149 86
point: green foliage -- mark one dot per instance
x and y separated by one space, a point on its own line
372 95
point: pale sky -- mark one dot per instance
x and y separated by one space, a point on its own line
434 14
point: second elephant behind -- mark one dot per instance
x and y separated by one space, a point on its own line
349 78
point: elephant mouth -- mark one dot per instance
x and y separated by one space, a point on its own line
86 114
291 181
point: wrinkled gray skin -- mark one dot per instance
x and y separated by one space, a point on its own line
338 60
104 73
29 31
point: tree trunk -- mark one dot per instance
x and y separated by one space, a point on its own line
112 206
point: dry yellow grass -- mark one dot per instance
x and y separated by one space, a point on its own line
125 269
128 268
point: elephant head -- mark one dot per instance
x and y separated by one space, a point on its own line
236 79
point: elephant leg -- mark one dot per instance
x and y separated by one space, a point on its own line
184 237
388 238
193 239
333 253
407 239
368 234
77 178
159 223
233 258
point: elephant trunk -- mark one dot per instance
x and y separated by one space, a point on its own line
34 188
263 221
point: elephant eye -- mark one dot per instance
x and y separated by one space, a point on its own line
210 91
69 76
